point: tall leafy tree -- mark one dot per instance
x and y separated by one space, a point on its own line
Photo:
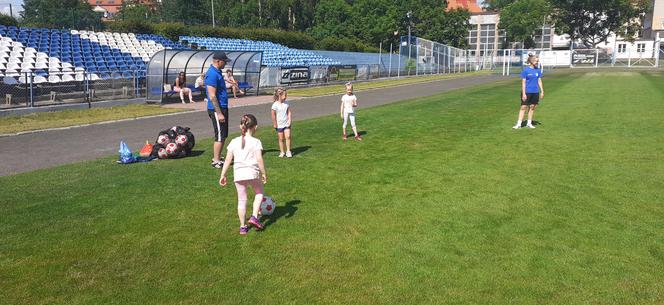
135 10
594 21
187 11
522 18
75 14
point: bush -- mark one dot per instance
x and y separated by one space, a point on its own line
173 31
290 39
132 26
8 20
343 44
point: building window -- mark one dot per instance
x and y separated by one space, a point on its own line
622 47
640 47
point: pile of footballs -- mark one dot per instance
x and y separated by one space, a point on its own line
176 142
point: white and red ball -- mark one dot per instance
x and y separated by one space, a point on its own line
171 149
162 154
163 139
267 206
181 139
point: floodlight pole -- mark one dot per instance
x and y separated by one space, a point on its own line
213 23
409 15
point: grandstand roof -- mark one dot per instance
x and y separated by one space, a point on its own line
470 5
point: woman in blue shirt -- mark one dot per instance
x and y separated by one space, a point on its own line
531 91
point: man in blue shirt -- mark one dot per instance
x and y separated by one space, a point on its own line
532 91
217 105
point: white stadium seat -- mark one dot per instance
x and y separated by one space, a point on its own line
40 80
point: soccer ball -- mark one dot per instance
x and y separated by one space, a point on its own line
181 139
162 153
267 206
171 148
163 139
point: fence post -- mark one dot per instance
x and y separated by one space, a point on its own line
596 57
389 71
658 45
380 57
449 60
28 78
438 62
629 58
399 64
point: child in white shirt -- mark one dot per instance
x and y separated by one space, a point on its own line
281 120
248 171
348 103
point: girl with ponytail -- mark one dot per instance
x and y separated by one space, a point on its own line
248 171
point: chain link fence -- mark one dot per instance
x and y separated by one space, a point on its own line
33 89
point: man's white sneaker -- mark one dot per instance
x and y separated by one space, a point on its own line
281 155
289 154
530 126
516 127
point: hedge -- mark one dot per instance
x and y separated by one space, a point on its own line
8 20
173 31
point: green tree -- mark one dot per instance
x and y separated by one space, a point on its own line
495 5
75 14
8 20
449 28
594 21
522 18
332 18
135 11
188 11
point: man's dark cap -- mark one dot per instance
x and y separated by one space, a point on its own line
221 56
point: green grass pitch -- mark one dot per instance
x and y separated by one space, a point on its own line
442 203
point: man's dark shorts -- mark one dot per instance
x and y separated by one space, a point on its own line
220 129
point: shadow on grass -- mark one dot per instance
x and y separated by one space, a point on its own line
196 153
296 151
535 123
282 211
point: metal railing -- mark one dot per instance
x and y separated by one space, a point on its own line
30 89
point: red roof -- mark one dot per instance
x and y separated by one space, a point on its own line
470 5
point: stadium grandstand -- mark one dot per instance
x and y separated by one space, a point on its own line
274 55
54 56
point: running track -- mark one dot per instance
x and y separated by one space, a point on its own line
28 152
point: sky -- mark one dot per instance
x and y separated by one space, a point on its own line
17 6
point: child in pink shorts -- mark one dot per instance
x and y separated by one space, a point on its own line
248 171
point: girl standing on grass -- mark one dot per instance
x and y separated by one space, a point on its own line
248 171
532 91
281 120
348 102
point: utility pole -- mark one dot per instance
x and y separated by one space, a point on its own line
213 23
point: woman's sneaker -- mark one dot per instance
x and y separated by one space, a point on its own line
345 137
256 223
358 138
530 126
244 230
289 154
281 154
